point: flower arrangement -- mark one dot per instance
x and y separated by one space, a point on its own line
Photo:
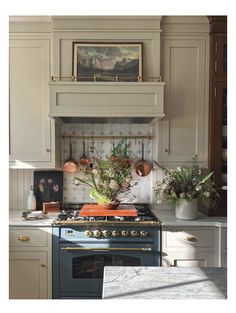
110 176
185 182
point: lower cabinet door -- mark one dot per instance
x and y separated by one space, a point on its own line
28 275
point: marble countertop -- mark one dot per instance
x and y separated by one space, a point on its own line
166 216
15 219
168 219
164 283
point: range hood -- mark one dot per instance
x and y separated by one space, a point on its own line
106 102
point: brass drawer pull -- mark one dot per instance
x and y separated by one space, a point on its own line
24 238
191 239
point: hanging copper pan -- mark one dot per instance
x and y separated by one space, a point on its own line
84 160
70 165
143 168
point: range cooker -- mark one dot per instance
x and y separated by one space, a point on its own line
82 246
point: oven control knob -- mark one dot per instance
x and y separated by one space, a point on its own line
88 233
115 233
124 233
97 233
106 233
143 233
134 233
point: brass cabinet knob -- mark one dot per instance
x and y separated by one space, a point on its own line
115 233
191 239
88 233
134 233
143 233
24 238
43 265
48 150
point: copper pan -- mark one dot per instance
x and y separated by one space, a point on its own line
84 160
70 165
143 168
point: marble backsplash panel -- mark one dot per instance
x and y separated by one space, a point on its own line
142 192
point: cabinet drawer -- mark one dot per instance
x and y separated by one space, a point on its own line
28 238
187 237
189 259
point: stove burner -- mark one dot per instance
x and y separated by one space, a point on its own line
71 213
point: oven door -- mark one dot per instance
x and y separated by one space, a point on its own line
81 267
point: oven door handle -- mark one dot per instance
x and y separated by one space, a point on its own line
105 249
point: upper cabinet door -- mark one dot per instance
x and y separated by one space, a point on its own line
184 130
29 122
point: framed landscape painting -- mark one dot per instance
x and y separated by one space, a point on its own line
107 61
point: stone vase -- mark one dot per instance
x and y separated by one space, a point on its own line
186 210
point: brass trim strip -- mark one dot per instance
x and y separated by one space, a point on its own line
104 249
108 223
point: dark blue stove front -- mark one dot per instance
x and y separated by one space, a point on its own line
81 252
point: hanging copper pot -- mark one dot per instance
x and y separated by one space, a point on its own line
143 168
70 165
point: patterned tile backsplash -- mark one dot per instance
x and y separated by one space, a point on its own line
139 193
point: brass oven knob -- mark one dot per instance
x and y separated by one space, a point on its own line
124 233
134 233
115 233
106 233
88 233
97 233
143 233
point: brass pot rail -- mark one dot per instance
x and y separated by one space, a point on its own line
107 137
116 78
147 249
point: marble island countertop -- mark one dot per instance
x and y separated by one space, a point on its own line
164 283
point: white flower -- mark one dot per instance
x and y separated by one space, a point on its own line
95 171
199 188
179 168
224 187
128 179
113 184
206 194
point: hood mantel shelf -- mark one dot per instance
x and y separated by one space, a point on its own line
107 100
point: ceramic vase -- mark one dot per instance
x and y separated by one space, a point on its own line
186 210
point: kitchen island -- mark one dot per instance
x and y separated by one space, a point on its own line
164 283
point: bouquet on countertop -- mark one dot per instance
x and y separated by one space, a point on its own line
185 182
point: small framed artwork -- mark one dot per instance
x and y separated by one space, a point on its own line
107 61
48 187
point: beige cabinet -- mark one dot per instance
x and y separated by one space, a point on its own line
33 134
190 246
28 275
185 69
30 263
